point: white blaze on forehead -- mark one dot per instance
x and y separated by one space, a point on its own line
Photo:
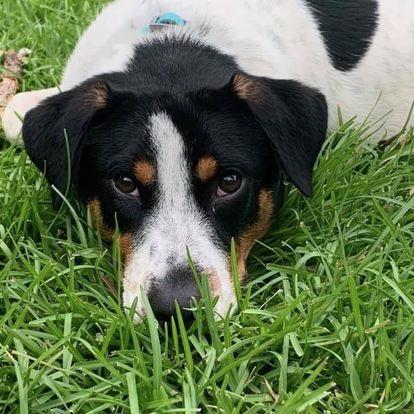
176 218
172 164
175 224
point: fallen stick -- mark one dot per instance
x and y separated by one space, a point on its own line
9 83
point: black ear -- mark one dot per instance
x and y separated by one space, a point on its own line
293 116
53 132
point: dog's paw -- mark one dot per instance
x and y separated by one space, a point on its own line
17 108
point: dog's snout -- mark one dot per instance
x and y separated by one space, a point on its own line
178 285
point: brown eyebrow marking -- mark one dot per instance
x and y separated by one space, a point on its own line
206 168
144 172
255 231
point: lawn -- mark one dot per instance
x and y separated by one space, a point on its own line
326 321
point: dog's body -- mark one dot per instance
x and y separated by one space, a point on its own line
183 134
371 46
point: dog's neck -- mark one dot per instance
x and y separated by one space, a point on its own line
255 36
260 42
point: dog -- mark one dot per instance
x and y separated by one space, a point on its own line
182 118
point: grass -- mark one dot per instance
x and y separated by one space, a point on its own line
326 321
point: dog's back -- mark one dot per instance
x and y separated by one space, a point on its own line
352 51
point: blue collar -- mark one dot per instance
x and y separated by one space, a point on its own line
161 22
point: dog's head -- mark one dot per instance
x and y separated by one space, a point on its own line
178 170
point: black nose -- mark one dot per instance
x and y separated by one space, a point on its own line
178 285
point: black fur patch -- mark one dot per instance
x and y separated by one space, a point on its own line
347 27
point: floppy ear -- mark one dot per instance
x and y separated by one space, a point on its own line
53 132
293 116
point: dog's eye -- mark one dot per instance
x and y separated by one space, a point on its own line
126 185
228 184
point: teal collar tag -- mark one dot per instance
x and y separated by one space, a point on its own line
161 22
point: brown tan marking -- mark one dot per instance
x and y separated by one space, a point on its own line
126 246
247 88
97 96
255 231
206 168
214 282
125 239
144 172
97 220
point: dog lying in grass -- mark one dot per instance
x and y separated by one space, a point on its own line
181 118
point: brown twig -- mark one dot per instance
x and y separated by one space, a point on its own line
13 64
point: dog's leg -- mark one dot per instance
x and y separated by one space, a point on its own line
16 109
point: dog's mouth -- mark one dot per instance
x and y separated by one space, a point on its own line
172 281
178 288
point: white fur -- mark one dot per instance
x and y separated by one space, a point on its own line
176 224
275 38
17 108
